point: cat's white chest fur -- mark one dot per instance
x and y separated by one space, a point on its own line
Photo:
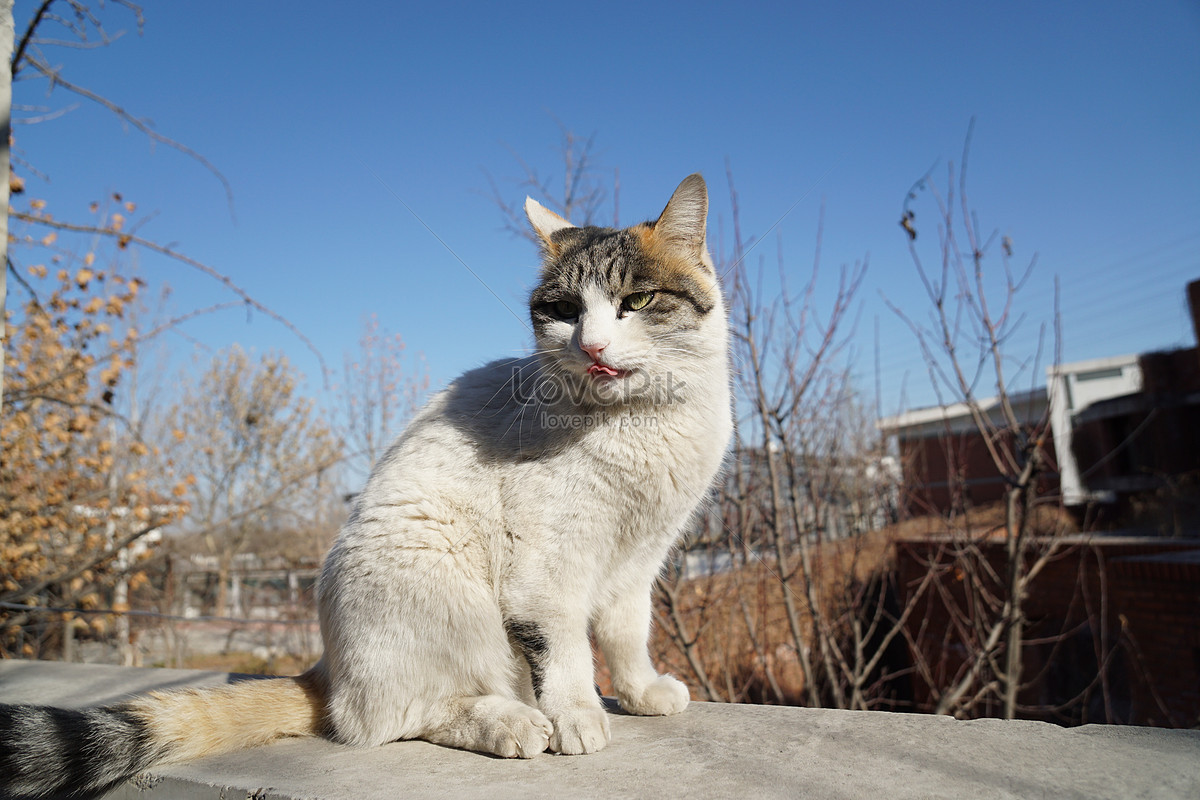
618 499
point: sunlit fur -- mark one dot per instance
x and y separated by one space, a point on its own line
528 503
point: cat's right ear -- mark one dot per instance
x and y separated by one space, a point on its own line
545 224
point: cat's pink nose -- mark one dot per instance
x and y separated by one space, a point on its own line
593 350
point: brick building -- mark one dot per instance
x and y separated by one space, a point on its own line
1138 453
1125 435
945 461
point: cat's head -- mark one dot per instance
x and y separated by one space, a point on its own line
629 313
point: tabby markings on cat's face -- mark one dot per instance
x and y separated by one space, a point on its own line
612 309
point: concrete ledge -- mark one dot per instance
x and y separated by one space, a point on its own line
711 750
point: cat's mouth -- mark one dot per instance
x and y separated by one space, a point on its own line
599 370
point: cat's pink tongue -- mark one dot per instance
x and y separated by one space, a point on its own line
601 369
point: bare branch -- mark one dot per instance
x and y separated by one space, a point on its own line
125 239
55 78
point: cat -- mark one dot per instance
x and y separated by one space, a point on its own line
529 503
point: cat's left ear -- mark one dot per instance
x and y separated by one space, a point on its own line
682 224
545 224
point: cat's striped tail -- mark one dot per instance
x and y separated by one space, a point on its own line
54 752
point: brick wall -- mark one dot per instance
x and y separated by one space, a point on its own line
1158 598
1130 604
956 470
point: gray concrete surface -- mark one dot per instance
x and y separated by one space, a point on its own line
710 751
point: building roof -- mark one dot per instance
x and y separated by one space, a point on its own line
933 420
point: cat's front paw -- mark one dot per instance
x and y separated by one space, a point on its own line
521 732
579 731
662 696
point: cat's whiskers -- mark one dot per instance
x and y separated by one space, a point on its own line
531 398
514 379
518 380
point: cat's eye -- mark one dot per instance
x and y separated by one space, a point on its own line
638 300
564 309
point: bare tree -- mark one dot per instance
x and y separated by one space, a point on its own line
68 411
382 388
582 193
258 451
966 344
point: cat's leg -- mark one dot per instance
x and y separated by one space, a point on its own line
622 628
523 685
561 669
491 724
415 647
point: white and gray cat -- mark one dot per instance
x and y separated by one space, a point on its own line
529 503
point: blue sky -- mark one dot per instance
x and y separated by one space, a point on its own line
326 120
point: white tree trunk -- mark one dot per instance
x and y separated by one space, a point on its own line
6 53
